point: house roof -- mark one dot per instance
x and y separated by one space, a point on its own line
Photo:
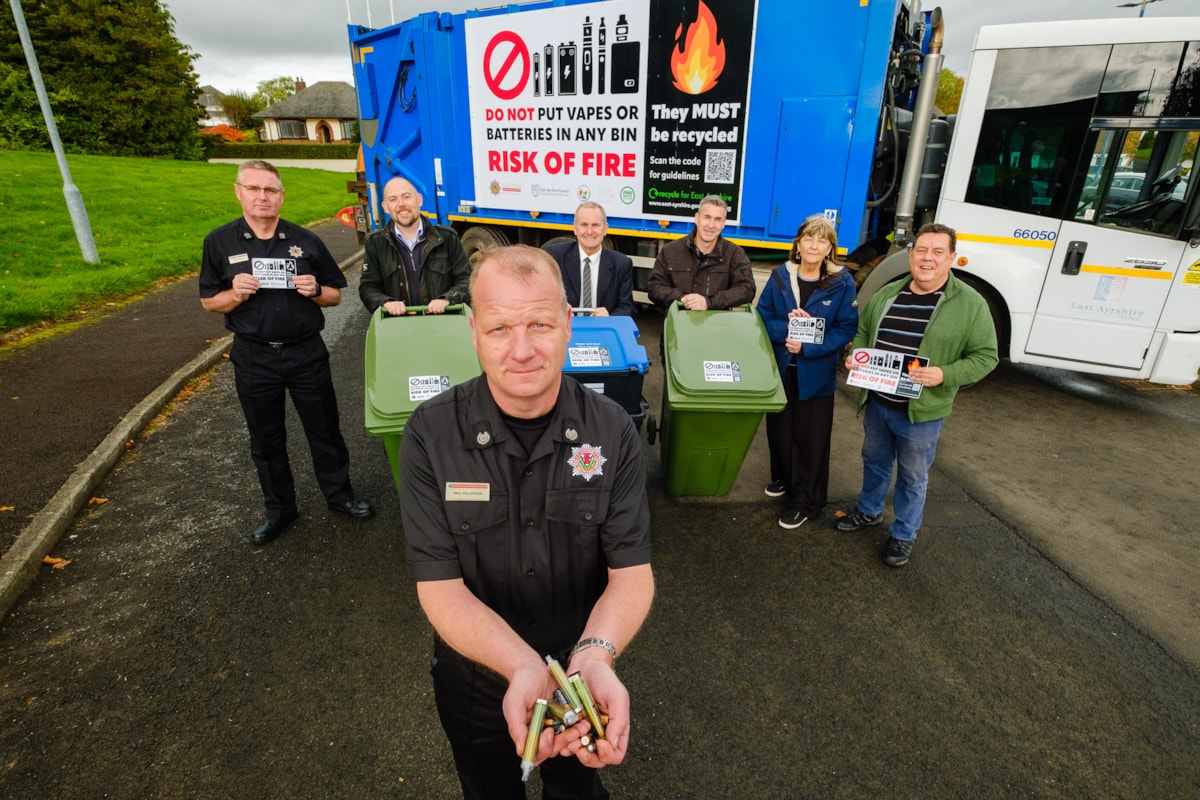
324 99
210 96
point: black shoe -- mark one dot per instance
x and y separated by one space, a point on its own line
897 551
359 509
775 489
856 519
792 520
271 529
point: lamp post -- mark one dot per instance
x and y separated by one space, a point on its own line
1140 5
83 228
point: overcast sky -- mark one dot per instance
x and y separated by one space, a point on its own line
242 42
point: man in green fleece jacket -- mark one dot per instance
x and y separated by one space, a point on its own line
936 316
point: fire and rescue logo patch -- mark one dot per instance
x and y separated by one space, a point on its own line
295 251
586 462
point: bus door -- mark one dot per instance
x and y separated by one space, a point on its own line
1103 295
1114 264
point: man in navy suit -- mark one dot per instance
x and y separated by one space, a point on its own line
585 260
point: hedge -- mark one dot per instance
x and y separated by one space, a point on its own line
245 151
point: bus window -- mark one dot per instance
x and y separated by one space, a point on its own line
1142 179
1039 110
1152 80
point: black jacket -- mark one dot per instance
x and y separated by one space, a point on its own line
443 270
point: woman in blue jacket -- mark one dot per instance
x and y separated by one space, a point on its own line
812 285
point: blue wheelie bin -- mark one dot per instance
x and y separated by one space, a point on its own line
604 355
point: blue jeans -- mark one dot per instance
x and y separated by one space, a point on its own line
892 440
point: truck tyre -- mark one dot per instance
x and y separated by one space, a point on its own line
557 240
479 239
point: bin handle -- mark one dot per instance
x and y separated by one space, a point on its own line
742 307
410 311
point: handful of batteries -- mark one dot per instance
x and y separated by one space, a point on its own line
572 703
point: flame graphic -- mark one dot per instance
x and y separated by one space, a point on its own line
914 364
698 62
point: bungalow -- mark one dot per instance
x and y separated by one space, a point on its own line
323 112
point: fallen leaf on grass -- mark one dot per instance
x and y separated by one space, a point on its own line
57 563
7 508
129 444
97 501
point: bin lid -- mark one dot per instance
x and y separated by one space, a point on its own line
605 344
410 359
720 360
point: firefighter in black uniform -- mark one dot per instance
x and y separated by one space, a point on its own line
271 279
528 532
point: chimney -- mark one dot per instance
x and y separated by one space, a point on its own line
301 85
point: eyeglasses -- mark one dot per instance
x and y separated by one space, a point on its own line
270 191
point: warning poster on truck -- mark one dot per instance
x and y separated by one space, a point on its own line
638 106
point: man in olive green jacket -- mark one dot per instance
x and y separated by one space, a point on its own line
947 325
410 261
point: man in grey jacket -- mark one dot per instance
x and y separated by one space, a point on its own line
410 261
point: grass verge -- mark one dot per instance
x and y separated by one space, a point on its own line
148 217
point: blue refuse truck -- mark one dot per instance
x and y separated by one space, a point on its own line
506 119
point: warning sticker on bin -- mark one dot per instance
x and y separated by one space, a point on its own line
722 372
587 356
423 387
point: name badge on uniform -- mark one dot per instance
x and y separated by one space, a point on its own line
239 258
458 492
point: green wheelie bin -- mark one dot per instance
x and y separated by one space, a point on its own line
720 377
409 359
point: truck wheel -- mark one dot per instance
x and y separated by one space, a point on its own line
557 240
478 240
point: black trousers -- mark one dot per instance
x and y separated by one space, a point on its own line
469 701
264 376
799 439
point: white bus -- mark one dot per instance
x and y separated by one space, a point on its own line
1070 182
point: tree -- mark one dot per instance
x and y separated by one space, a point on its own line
272 91
949 92
120 82
240 109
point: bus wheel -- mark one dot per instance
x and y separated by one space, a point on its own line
997 310
478 240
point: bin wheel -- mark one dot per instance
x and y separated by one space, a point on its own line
651 428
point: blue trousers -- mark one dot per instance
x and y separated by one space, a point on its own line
893 443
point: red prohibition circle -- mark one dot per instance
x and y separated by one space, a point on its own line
861 357
495 79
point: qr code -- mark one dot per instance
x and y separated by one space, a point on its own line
718 166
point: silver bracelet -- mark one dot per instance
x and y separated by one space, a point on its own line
595 642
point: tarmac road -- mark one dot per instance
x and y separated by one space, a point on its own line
172 659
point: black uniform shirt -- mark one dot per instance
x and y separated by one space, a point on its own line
531 536
270 314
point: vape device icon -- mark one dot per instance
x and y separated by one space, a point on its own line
566 68
601 56
549 67
537 74
626 59
585 57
